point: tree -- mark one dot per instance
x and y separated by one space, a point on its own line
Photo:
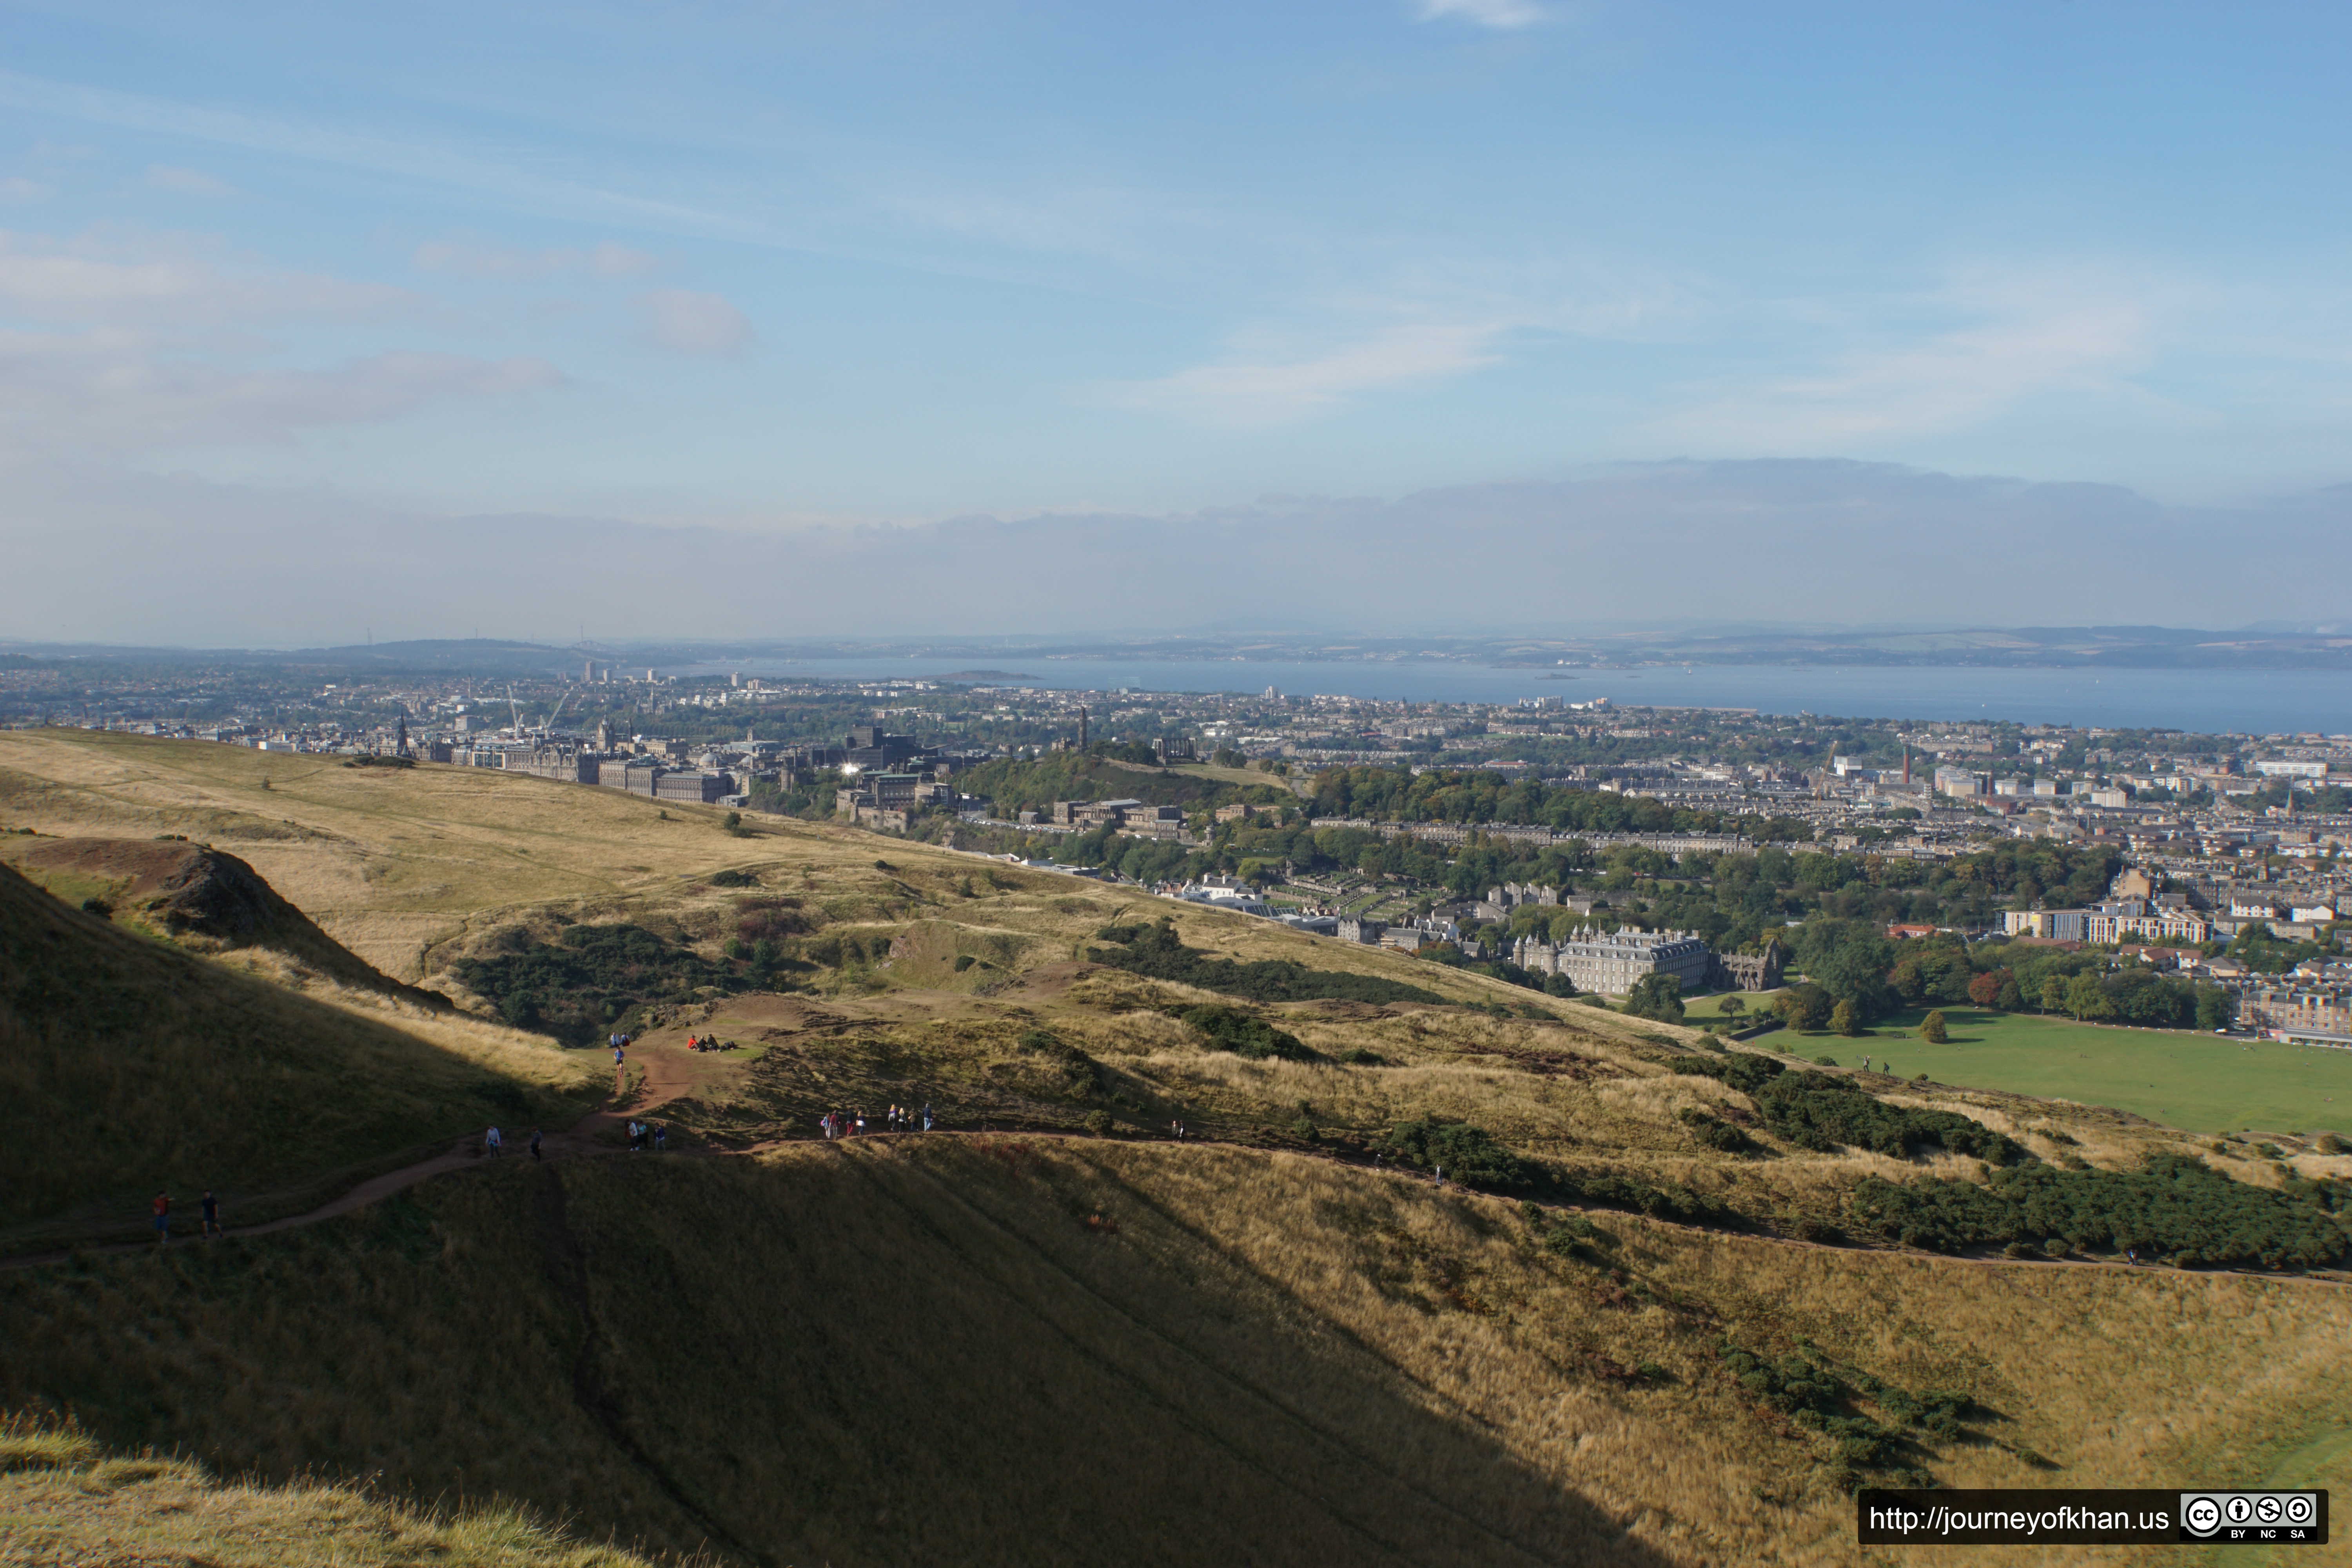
1844 1018
1731 1006
1984 990
2086 998
2012 998
1805 1006
2054 995
1558 985
1931 1029
2214 1007
1658 997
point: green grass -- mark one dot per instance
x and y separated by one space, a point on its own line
2196 1082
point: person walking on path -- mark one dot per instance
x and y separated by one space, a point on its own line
534 1146
927 1116
212 1230
490 1142
661 1138
162 1206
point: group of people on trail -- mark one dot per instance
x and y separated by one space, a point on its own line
649 1135
706 1042
212 1226
897 1119
493 1141
619 1044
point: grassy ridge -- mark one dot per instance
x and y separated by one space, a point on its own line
129 1066
1016 1350
65 1500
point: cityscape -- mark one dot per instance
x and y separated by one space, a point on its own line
1420 783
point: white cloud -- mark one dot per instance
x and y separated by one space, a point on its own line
177 282
2007 339
1504 14
187 182
683 321
466 256
16 188
1270 389
128 342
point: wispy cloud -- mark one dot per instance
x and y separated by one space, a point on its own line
16 188
1258 389
187 182
466 256
1502 14
128 342
2005 338
683 321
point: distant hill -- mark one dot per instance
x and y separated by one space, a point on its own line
128 1065
202 896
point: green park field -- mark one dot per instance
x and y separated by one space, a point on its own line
2199 1083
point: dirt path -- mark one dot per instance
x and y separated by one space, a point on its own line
669 1074
667 1078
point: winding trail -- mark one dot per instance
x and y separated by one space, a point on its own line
668 1076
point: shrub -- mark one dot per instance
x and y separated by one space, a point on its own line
1825 1061
1245 1034
1658 997
1465 1152
1817 1112
964 961
1098 1124
1558 985
1931 1029
731 879
1845 1018
1715 1133
1593 999
1357 1056
1156 952
2175 1205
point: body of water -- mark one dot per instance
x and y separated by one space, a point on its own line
2259 702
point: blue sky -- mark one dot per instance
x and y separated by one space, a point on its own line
761 266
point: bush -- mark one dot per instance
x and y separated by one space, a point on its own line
1825 1061
733 879
1156 952
2174 1206
1715 1133
1845 1018
1465 1152
1097 1122
964 961
1658 997
1816 1111
1593 999
1558 985
1245 1034
1931 1029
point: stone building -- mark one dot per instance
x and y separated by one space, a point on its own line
1738 972
1614 962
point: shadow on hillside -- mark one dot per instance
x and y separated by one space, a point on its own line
848 1360
130 1066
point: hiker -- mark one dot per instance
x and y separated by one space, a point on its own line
162 1220
490 1142
927 1116
534 1146
212 1229
616 1055
1437 1174
661 1136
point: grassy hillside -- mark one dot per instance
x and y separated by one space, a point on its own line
129 1066
1102 1345
1031 1350
65 1500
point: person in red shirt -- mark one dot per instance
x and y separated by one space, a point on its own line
162 1220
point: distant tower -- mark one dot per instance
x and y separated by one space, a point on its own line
1082 728
590 679
400 741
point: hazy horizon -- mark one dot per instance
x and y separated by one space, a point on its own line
1422 313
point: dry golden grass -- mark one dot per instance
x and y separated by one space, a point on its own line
65 1501
1019 1350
